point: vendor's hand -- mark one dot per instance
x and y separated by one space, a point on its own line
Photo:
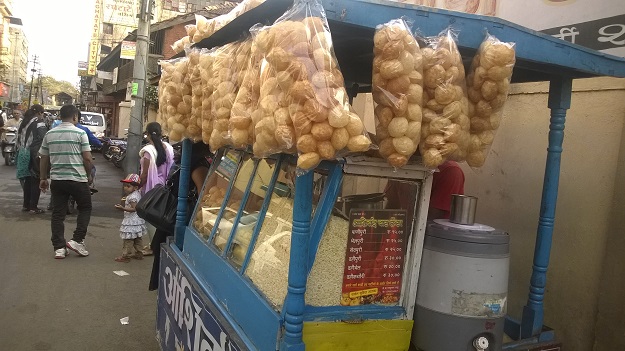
43 185
119 207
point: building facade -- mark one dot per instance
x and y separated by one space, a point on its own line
18 68
115 19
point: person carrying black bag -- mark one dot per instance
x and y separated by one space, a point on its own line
30 135
201 159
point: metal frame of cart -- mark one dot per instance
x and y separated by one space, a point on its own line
352 22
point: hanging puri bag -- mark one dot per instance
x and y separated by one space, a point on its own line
22 162
158 207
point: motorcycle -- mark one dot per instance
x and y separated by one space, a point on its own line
108 148
9 137
118 154
118 151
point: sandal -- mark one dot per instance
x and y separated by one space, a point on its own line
137 256
37 211
147 251
122 259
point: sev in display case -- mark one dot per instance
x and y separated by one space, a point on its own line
363 251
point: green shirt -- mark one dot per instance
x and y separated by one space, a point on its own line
65 145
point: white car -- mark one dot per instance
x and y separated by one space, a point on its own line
95 122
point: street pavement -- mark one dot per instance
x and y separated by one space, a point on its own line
75 303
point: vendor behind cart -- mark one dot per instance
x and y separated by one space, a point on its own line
447 181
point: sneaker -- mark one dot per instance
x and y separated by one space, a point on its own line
60 254
78 248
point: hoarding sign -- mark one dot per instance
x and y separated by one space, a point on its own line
120 12
601 34
94 44
374 259
105 75
186 319
128 50
82 68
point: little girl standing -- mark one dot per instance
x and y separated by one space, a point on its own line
133 227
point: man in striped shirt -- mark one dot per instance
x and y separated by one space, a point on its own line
66 149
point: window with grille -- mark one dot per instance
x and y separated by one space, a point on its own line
107 28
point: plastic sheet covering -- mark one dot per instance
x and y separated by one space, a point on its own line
181 44
194 127
245 111
167 69
175 97
206 76
397 83
301 76
488 83
445 121
229 68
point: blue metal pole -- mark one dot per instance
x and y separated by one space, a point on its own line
559 101
183 191
298 266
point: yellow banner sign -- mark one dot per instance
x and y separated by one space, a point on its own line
94 45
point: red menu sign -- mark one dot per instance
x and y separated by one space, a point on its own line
374 260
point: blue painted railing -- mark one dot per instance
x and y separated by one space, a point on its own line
183 192
559 101
298 265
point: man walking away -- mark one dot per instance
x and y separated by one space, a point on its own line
66 149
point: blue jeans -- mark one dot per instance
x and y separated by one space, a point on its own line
61 190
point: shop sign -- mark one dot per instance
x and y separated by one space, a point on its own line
374 259
120 12
128 50
184 321
82 68
601 34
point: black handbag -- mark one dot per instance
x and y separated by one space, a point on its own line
158 207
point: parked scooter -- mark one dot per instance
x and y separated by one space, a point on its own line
108 148
9 138
118 154
118 151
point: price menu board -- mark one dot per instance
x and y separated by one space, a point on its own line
374 260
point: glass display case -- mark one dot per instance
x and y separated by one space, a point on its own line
363 235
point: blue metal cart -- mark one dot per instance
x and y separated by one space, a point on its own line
216 291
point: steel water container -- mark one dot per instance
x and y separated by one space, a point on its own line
463 288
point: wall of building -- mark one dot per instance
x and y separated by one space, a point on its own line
509 190
172 34
611 309
123 119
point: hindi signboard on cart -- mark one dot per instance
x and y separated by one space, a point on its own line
374 259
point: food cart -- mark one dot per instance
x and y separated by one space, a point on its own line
273 260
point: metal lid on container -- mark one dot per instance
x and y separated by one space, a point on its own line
466 240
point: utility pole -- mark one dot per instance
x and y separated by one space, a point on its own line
135 129
32 79
40 88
